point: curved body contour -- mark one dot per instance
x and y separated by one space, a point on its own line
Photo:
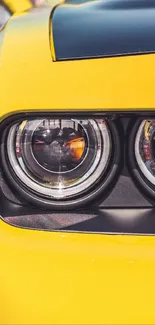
71 278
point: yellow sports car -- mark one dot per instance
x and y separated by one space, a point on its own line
77 164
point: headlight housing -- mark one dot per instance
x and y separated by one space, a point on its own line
57 162
145 149
142 154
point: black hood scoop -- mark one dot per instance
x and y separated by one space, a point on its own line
108 28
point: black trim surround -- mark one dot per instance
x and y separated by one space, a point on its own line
135 221
110 221
125 208
104 28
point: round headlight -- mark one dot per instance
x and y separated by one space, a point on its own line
59 159
145 149
141 155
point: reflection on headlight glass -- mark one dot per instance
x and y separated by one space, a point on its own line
59 157
145 149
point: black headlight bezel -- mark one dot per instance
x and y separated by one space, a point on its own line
125 208
102 187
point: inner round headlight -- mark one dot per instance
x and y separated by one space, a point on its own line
145 149
59 158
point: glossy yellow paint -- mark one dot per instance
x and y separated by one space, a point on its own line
62 278
17 5
59 278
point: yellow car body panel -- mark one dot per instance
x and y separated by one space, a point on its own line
60 278
71 278
17 5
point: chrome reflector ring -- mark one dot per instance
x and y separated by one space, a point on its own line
59 159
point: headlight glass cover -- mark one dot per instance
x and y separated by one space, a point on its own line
59 158
145 149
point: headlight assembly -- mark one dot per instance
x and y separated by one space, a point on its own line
145 149
142 154
60 162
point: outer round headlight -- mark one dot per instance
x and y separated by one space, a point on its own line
141 155
145 149
57 161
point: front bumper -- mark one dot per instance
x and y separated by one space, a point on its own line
73 278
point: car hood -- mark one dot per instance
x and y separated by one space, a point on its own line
35 82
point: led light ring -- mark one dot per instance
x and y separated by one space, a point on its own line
52 193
